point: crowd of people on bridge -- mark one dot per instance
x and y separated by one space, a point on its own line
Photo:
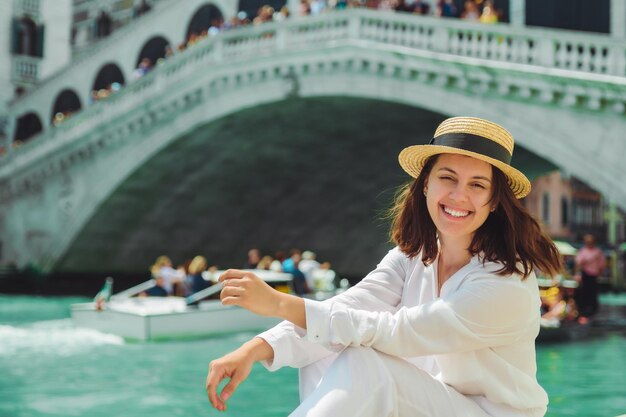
196 274
484 11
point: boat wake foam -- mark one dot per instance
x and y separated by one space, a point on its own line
52 337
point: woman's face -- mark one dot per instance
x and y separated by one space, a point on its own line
458 192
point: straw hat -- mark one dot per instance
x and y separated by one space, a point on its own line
473 137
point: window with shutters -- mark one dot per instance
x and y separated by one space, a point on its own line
27 37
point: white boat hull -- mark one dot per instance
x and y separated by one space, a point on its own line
136 323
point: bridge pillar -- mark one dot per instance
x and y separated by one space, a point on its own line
517 12
294 8
618 18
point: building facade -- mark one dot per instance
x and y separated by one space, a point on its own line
568 208
44 36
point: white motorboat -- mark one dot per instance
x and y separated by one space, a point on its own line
159 318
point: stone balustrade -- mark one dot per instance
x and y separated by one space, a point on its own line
27 7
568 50
25 69
548 67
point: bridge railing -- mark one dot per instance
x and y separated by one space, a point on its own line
554 49
551 48
25 69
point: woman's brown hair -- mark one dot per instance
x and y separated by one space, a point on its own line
510 235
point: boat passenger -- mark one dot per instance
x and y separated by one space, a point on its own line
291 266
265 263
195 279
309 265
277 263
446 323
158 290
558 306
163 267
254 256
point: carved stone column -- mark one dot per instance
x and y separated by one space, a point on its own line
294 8
517 12
618 18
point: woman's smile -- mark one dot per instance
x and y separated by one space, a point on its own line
455 213
458 194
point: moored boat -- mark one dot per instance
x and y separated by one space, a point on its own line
158 318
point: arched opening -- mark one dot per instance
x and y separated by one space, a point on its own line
103 25
205 17
109 80
154 50
27 37
27 126
66 104
261 8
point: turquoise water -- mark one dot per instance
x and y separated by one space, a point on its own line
50 368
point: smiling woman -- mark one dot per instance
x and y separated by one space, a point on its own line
445 325
458 196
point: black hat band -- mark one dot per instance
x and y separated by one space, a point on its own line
474 143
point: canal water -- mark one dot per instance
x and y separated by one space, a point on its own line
50 368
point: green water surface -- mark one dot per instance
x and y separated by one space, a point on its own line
50 368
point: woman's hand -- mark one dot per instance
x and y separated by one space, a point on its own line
245 289
236 366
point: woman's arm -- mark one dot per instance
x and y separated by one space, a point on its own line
236 366
245 289
248 291
380 290
485 313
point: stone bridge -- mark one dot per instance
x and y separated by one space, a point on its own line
562 95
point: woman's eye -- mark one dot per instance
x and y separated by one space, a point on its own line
446 178
477 185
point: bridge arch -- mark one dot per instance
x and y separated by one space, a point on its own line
153 50
203 18
66 104
294 168
109 78
27 126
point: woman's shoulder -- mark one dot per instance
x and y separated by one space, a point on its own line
397 255
491 270
509 288
399 260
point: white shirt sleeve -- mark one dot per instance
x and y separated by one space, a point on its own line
380 290
484 312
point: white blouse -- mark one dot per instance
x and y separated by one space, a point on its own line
478 336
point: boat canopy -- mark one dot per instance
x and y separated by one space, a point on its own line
565 248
